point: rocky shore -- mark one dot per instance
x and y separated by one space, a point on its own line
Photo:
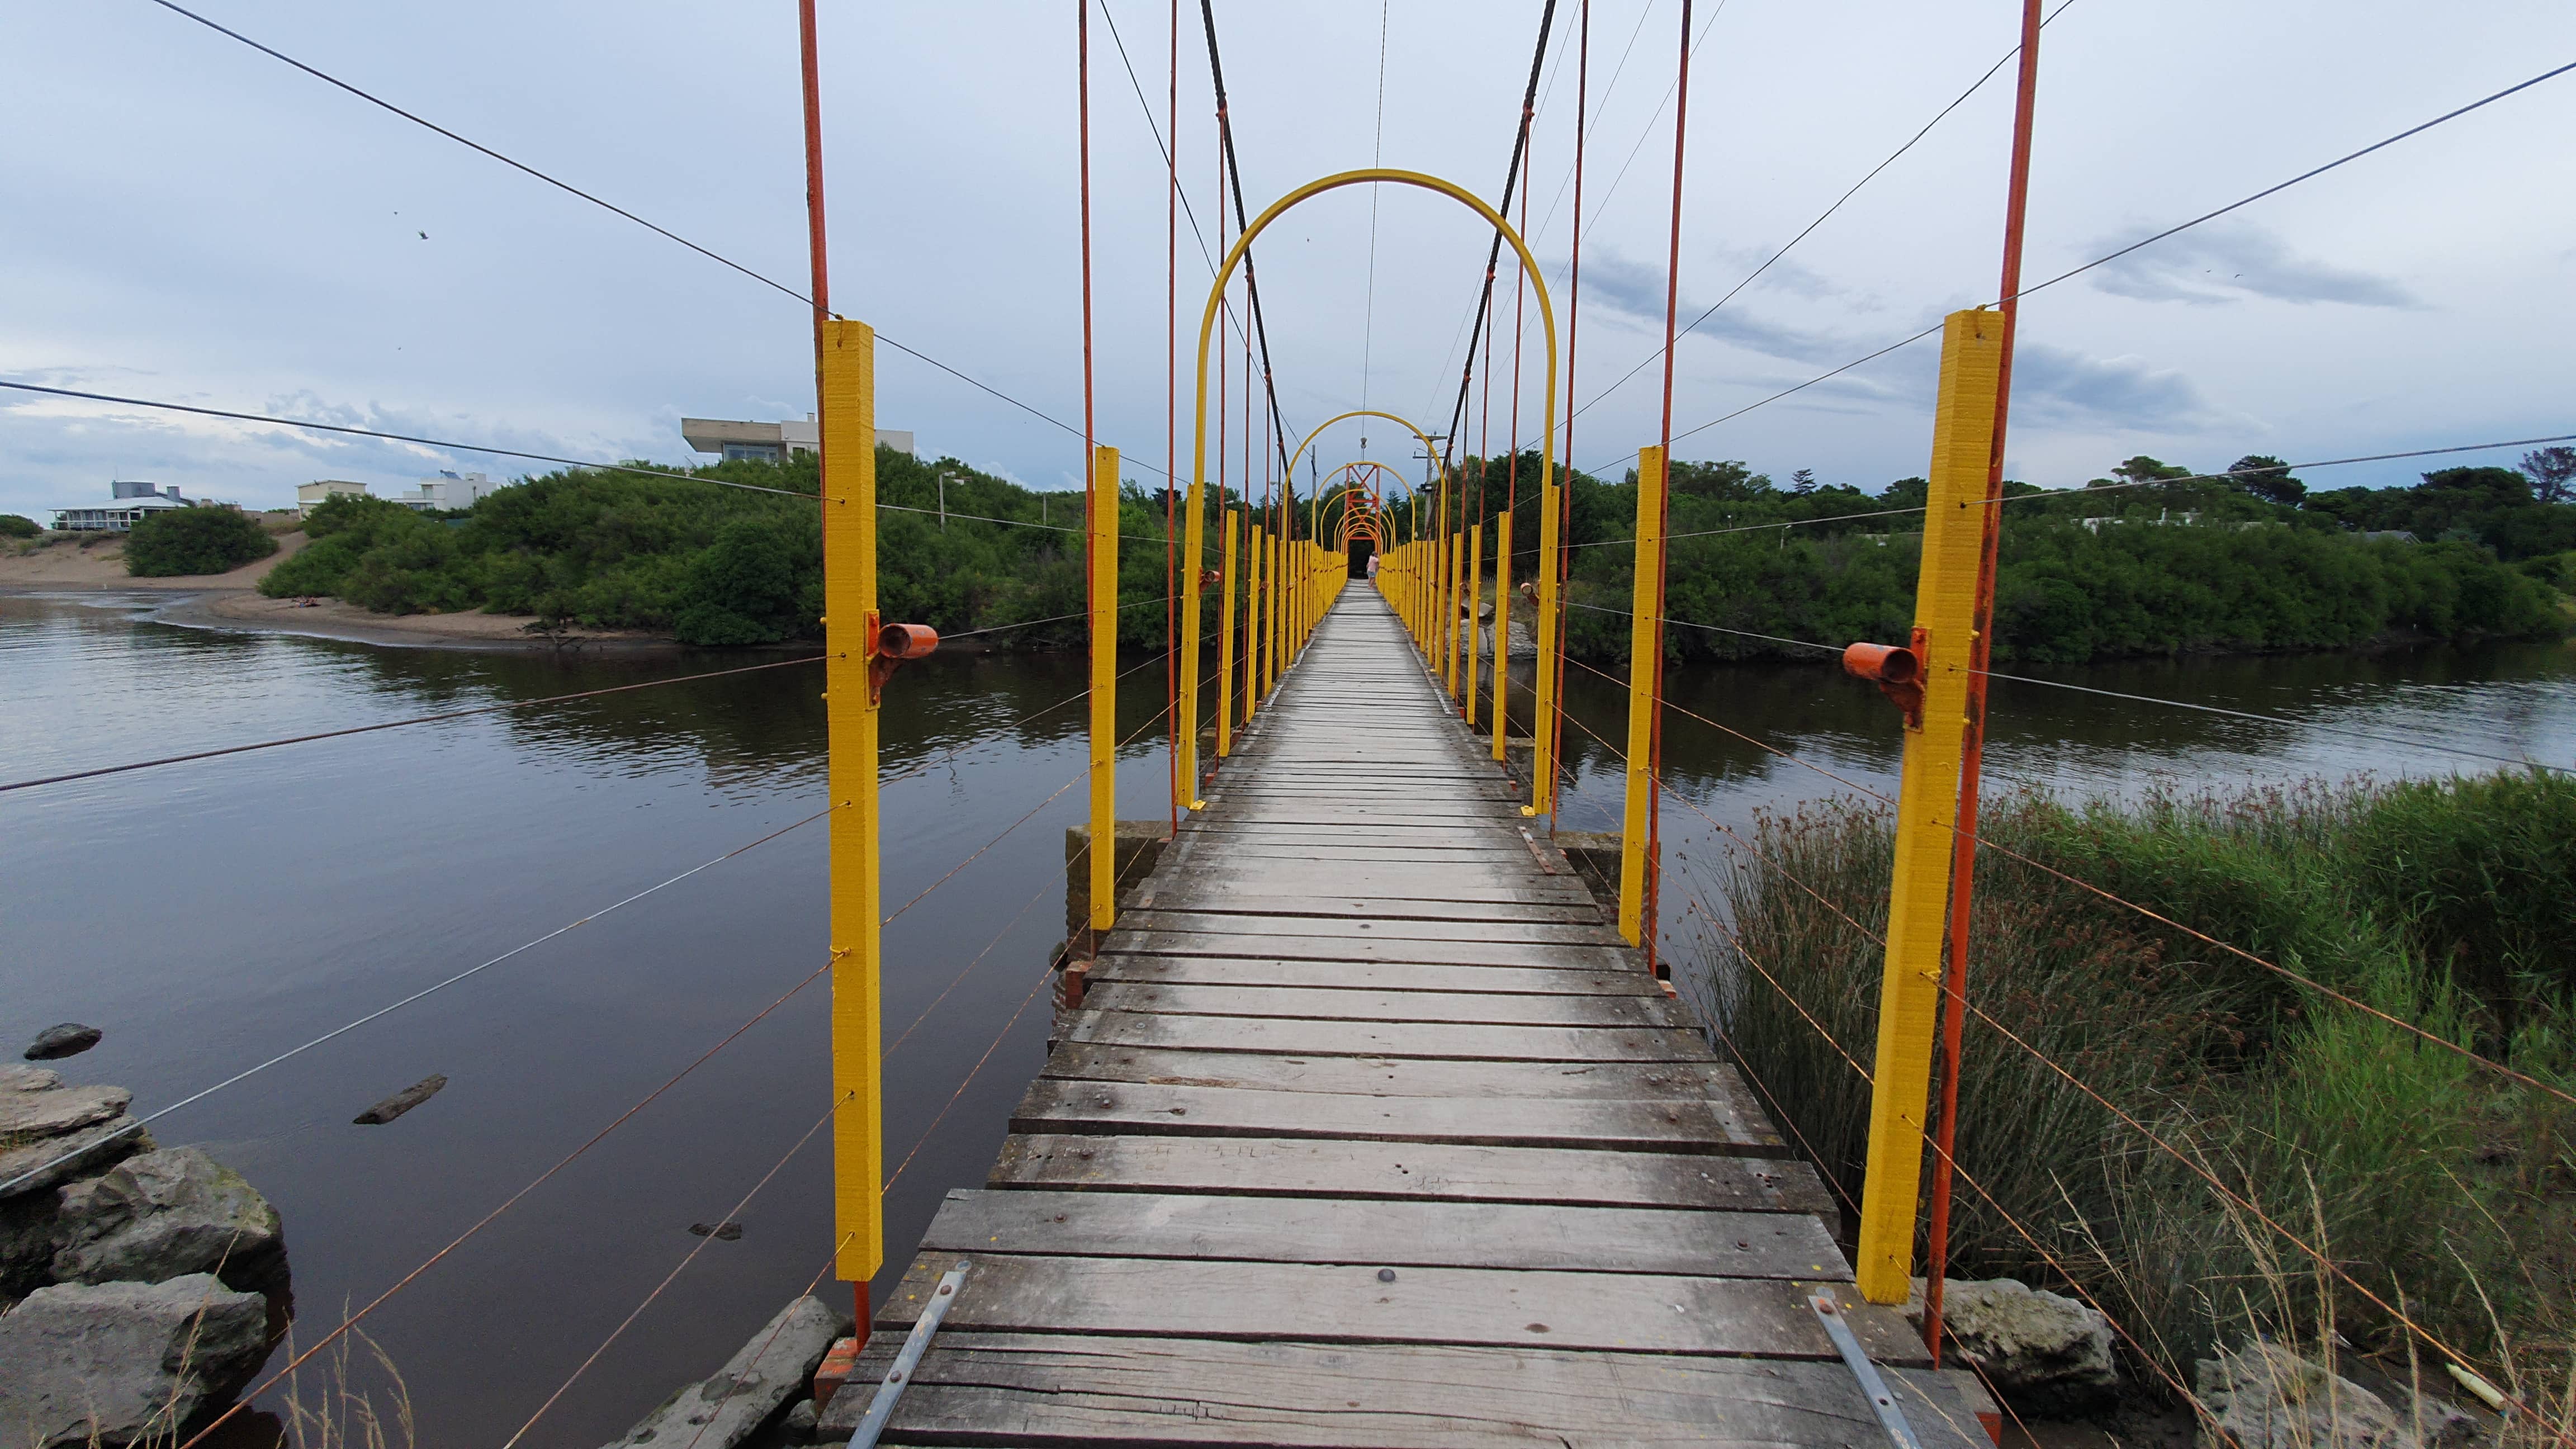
140 1286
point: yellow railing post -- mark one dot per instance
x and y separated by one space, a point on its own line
847 399
1645 643
1449 615
1104 688
1233 519
1928 801
1544 677
1502 628
1475 591
1252 622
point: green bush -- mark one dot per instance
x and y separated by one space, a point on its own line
201 540
18 525
2439 903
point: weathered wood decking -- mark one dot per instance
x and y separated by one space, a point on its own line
1371 1131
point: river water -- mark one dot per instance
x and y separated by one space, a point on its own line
213 914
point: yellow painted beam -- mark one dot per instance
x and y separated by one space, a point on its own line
1502 628
1104 687
1475 591
1928 801
1645 643
1233 524
846 398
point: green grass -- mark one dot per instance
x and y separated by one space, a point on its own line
2429 1180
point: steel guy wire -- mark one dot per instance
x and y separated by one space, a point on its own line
2485 1062
350 1321
1822 217
506 705
1163 148
2272 190
918 770
690 1257
2286 722
393 724
572 190
202 1093
2091 490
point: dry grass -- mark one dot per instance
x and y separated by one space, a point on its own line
2441 1186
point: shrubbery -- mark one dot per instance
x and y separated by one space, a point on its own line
2442 1186
202 540
18 525
727 566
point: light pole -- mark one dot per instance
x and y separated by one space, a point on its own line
943 501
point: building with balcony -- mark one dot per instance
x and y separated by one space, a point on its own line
770 442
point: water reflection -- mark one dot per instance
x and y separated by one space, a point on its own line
211 914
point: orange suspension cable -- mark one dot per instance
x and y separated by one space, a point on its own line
1172 433
1963 848
1654 892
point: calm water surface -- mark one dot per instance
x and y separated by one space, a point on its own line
212 914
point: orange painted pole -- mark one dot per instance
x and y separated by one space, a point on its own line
1963 848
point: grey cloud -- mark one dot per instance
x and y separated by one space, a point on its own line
1636 291
2208 267
2056 384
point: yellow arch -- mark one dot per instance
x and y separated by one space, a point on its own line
1543 767
1317 431
1370 505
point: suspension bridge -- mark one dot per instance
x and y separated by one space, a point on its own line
1370 1115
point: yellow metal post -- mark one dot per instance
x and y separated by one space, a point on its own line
1225 641
1449 616
1502 628
1104 688
847 399
1928 801
1475 592
1543 677
1274 598
1252 624
1645 641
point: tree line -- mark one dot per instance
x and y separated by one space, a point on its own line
2150 559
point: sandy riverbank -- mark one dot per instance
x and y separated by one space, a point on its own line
233 601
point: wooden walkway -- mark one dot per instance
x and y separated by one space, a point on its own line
1371 1132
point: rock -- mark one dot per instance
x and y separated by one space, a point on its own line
30 1116
17 1078
401 1102
161 1215
2044 1353
114 1363
769 1370
798 1427
43 1164
725 1232
67 1040
2265 1396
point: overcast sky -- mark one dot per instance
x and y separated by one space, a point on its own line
189 220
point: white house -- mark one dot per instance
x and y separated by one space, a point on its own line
448 490
770 442
132 499
309 496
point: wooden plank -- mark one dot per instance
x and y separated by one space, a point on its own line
1007 1388
1375 929
1467 901
1369 975
1422 1077
1454 953
1422 1232
1335 1303
1054 1104
1404 1039
1343 1004
1311 1168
